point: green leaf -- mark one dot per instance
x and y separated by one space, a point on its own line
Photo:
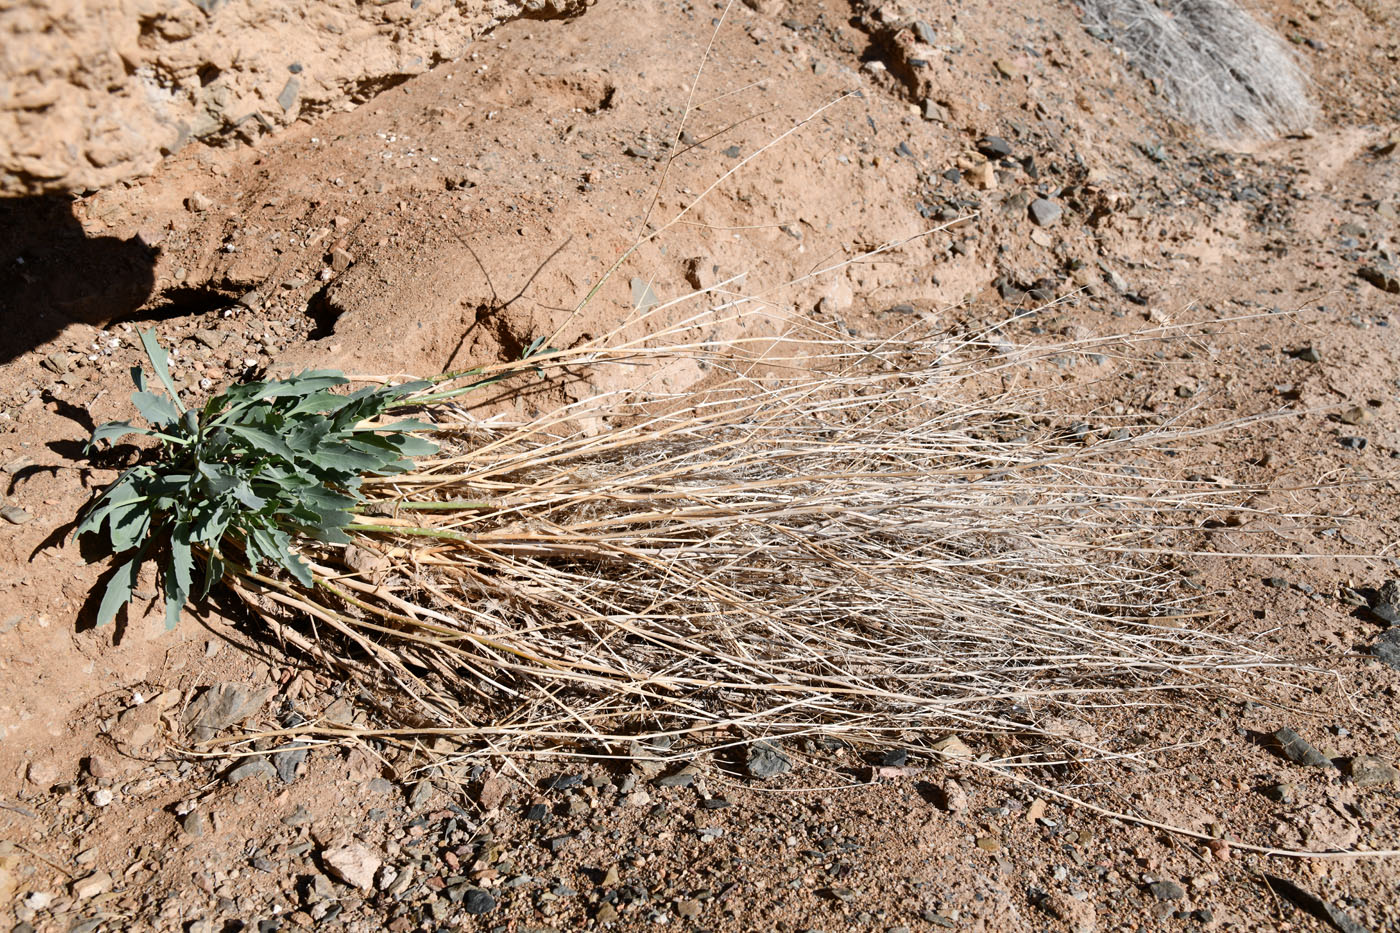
160 362
119 589
175 599
138 376
114 431
181 559
155 408
261 440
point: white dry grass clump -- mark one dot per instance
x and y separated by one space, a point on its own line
1215 63
834 538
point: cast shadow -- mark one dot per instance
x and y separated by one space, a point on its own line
52 274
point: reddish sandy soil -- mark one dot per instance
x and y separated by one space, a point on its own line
392 239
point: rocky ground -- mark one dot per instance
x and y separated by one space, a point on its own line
391 238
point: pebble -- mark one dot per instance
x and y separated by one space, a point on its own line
15 515
252 768
1045 212
475 901
994 147
1380 279
352 863
223 705
1279 793
765 761
1387 647
1166 890
1307 355
101 797
98 882
1352 443
1386 605
193 823
1372 771
606 914
1078 915
1298 750
682 778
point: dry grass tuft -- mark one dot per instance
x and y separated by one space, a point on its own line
833 538
1212 61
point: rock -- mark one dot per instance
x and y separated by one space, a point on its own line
932 110
894 758
1387 647
638 152
1045 212
682 778
475 901
38 900
1372 771
1386 605
1380 279
15 515
221 706
1078 915
951 797
287 761
494 791
353 864
951 747
688 909
42 773
1166 890
606 914
287 97
341 259
994 147
700 272
98 882
983 176
198 202
1356 415
764 761
101 797
252 768
1306 354
1279 793
1298 750
193 823
58 363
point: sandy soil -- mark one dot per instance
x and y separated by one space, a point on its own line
455 218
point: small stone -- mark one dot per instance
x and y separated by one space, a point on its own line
1307 355
983 176
101 797
951 797
994 147
638 152
606 914
194 823
1380 279
536 812
1372 771
951 747
700 272
765 761
1298 750
1079 915
38 900
1357 414
1351 442
42 773
1387 647
682 778
252 768
15 515
1166 890
894 758
287 761
288 96
494 791
989 843
94 884
341 260
688 909
612 878
1386 605
475 901
353 864
932 110
1279 793
198 202
223 705
1045 212
925 32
